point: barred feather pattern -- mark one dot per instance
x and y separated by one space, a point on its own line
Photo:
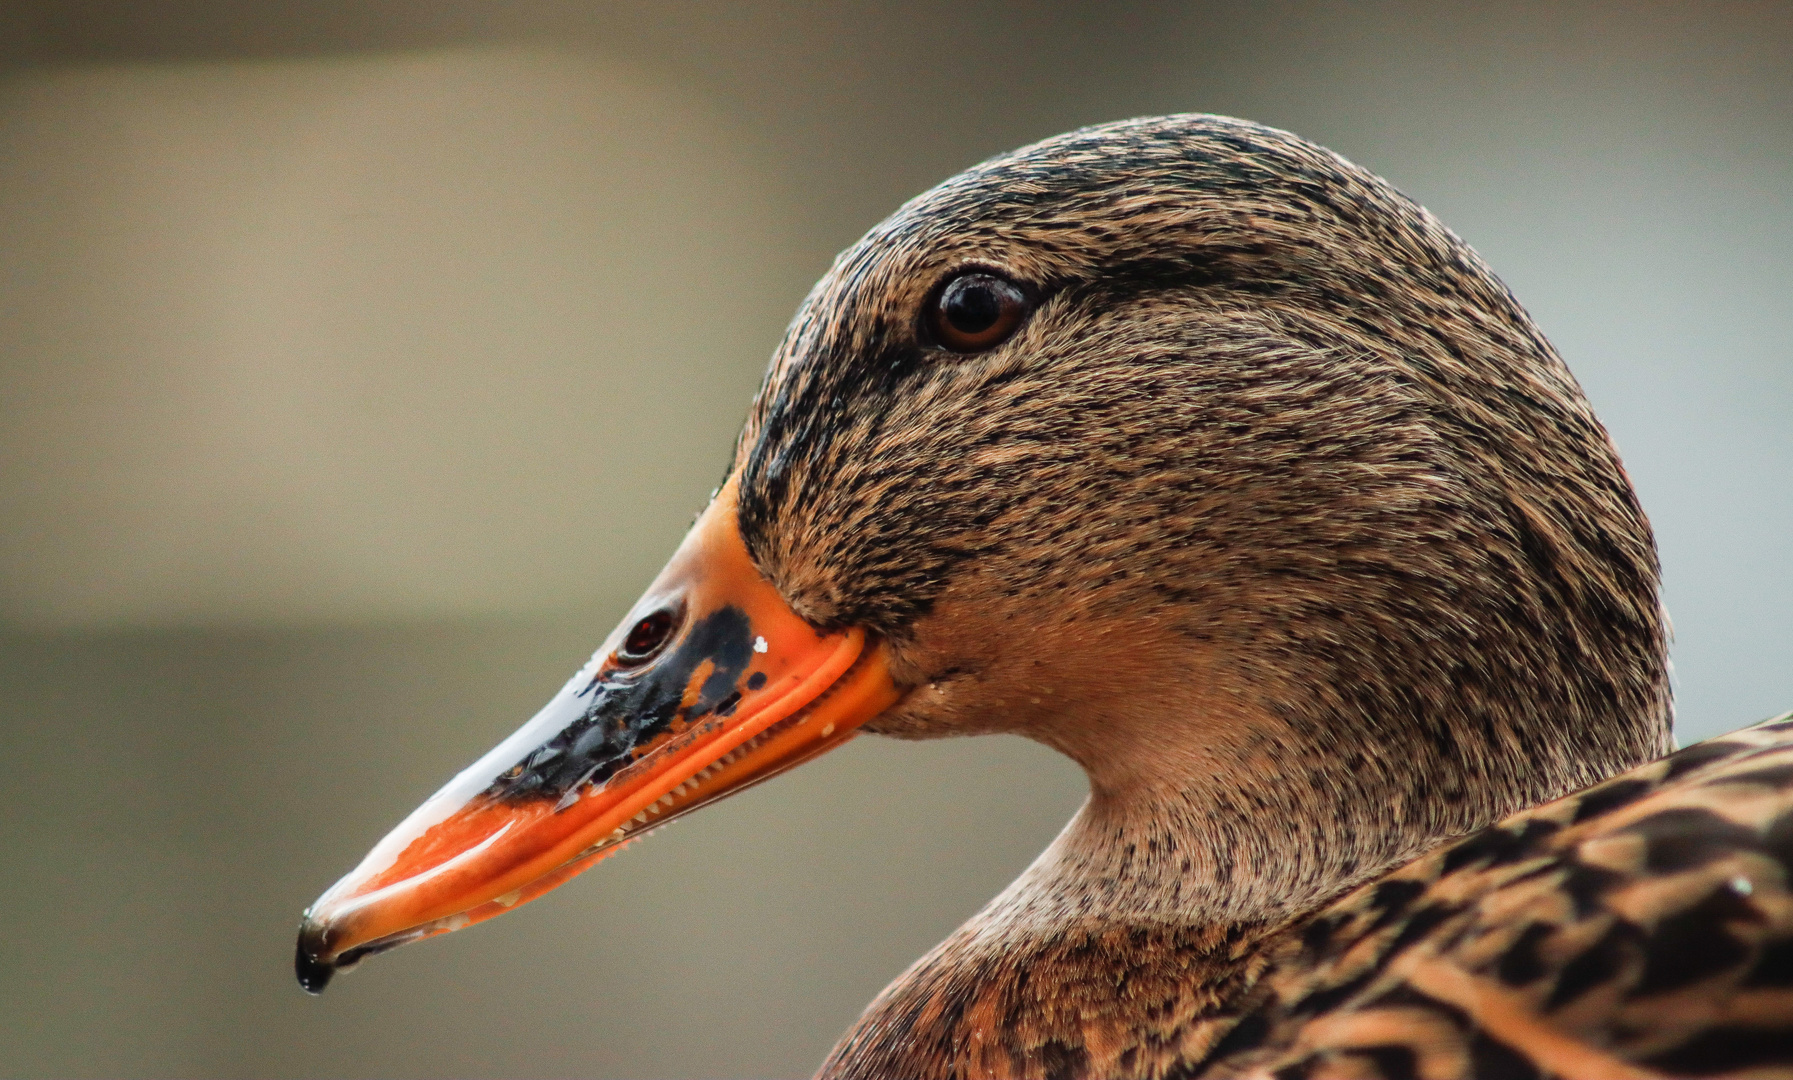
1642 927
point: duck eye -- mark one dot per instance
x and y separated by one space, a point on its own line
977 311
646 638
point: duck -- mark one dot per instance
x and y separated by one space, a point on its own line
1203 456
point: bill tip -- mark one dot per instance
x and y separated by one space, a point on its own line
314 974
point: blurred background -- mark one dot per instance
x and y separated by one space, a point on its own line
360 360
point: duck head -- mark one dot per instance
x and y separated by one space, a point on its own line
1181 445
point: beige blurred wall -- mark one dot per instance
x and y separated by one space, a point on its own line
377 336
359 362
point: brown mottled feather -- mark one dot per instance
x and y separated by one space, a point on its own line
1641 927
1279 516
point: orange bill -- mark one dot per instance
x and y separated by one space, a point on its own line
710 685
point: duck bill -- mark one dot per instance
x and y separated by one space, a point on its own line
739 689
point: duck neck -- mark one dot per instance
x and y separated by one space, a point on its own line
1224 816
1201 854
1121 949
1128 861
1204 835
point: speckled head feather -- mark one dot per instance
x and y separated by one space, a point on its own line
1277 513
1265 406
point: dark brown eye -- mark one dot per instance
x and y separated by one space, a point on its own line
977 311
646 638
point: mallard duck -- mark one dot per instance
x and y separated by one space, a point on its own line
1196 452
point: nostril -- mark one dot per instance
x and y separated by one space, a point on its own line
646 638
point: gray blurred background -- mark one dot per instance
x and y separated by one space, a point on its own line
361 360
